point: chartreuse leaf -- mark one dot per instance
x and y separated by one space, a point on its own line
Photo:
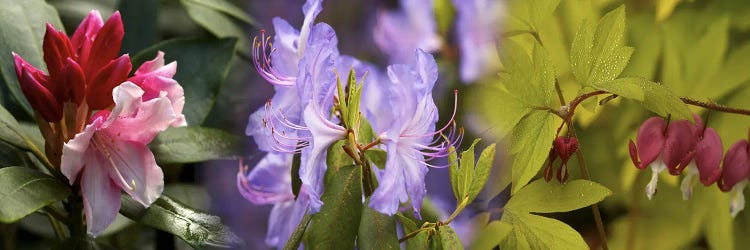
539 232
10 129
420 241
24 190
664 8
625 87
598 53
530 78
22 27
482 171
530 145
543 197
461 177
529 15
336 225
491 235
198 229
194 144
376 230
212 15
661 99
202 66
497 108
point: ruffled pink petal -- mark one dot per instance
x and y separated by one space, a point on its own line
134 120
74 151
101 197
678 146
155 85
708 156
155 67
650 140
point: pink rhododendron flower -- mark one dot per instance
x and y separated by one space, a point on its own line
111 154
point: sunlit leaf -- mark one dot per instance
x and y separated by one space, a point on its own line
552 197
530 145
598 53
538 232
530 14
491 235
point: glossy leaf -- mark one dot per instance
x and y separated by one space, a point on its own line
202 66
9 129
491 235
22 27
198 229
24 190
376 231
336 225
195 144
552 197
211 15
530 78
624 87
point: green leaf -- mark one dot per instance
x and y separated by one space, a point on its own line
497 108
444 15
661 100
25 190
10 129
461 177
491 235
22 27
139 18
377 157
337 158
598 53
530 14
538 232
202 65
454 174
628 87
448 238
198 229
420 241
227 8
376 230
194 144
530 78
336 225
543 197
482 171
12 156
210 14
530 145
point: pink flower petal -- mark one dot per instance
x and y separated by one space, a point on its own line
75 151
101 197
650 140
133 163
134 120
679 144
708 156
155 85
155 67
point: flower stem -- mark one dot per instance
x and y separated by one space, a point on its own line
715 107
56 226
595 206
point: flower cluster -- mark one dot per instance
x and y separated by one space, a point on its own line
696 149
298 119
563 147
96 119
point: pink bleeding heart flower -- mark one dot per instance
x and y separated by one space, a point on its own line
735 173
707 160
111 154
564 147
661 146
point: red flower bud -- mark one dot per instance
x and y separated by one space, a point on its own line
99 88
40 98
106 45
57 48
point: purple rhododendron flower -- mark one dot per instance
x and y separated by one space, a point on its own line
409 138
399 33
477 25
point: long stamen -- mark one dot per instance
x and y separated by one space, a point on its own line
281 140
100 145
262 62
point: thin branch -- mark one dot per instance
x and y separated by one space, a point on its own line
595 206
715 107
296 238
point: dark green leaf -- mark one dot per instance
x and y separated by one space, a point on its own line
213 19
376 231
491 235
198 229
543 197
22 27
24 190
139 18
336 225
194 144
202 65
337 158
12 156
9 129
228 8
449 239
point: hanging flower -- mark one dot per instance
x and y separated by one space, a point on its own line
735 173
707 160
661 146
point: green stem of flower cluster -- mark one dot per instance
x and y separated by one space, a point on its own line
296 238
431 226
